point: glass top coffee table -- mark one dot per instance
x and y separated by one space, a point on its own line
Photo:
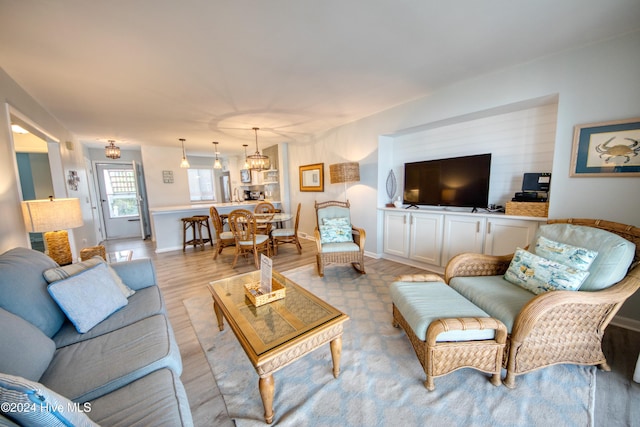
280 332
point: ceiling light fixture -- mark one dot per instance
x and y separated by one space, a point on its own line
257 161
246 161
216 163
184 163
18 129
112 151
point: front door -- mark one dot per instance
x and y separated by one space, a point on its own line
119 200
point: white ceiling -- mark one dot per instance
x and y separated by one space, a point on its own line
152 71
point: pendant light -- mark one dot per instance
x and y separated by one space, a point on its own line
184 163
257 161
216 163
112 151
246 161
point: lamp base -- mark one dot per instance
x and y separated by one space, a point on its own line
57 243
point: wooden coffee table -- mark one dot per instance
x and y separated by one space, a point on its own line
278 333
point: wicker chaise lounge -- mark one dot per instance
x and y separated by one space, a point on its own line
557 326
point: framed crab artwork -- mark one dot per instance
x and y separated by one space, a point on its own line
606 149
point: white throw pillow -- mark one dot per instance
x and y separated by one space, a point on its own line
89 297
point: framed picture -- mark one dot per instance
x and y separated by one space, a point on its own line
606 149
312 177
245 175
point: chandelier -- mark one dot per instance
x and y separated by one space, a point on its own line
112 151
216 163
246 161
184 163
257 161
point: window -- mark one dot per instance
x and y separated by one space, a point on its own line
120 186
201 186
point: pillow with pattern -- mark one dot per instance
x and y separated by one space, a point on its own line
572 256
336 230
538 274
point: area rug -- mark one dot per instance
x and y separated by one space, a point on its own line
381 380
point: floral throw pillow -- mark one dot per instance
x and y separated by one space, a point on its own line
572 256
336 230
538 274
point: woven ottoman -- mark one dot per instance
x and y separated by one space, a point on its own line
446 330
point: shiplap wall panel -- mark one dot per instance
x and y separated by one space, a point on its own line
519 141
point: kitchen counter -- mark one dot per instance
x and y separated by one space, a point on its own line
167 219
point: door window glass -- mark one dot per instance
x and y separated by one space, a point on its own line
120 186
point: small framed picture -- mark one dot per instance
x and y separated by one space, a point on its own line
312 177
606 149
245 175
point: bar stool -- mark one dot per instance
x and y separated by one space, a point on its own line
195 223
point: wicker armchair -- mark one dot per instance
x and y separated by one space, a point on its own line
558 326
342 252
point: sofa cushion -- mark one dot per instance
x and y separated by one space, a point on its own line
92 368
40 406
135 405
501 299
539 274
23 290
88 297
137 274
615 254
569 255
144 303
61 273
423 302
340 247
25 350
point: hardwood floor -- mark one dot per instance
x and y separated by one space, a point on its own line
185 275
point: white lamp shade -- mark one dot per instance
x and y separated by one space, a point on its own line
51 215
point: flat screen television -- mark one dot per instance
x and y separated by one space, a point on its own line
456 181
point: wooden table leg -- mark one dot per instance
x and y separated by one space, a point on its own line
336 353
218 315
266 387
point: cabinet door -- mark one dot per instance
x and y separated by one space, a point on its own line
462 234
396 233
426 238
505 235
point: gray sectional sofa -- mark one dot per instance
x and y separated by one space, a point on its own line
124 371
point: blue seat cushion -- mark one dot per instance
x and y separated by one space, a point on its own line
494 295
89 369
423 302
23 289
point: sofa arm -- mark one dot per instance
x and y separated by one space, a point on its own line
137 274
470 264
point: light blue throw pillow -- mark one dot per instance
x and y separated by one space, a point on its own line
89 297
539 275
30 403
569 255
336 230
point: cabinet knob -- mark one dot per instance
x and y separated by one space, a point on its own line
489 228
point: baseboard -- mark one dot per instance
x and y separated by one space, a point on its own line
626 322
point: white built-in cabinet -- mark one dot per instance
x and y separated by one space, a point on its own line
433 237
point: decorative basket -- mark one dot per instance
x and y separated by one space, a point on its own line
539 209
252 291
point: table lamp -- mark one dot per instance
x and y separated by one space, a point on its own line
343 173
53 217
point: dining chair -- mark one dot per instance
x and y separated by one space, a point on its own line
264 208
223 238
287 235
247 239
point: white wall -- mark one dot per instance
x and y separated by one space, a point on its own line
12 230
595 83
